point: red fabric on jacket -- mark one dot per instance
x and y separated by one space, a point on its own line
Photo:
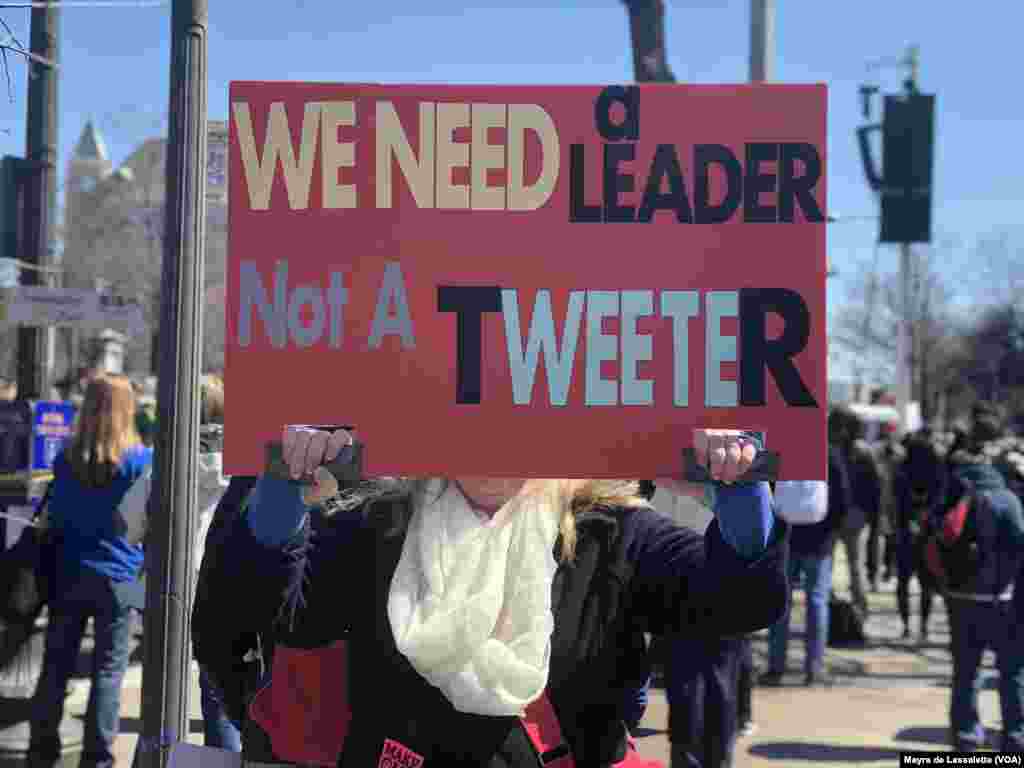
306 720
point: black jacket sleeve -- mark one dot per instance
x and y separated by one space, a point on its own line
207 633
684 581
867 483
840 493
304 591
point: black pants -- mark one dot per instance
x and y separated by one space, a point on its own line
889 553
873 544
701 682
910 563
745 682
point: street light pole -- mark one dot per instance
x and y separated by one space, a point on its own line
904 341
172 507
35 345
762 40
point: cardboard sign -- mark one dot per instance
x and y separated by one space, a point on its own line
527 281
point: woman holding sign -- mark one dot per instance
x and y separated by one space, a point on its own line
492 620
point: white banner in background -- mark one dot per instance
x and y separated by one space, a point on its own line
34 305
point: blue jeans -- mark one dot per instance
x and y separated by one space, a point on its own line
87 595
218 730
815 573
636 705
975 627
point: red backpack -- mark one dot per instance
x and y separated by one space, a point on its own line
952 552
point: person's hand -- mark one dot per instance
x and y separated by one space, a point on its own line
305 451
727 453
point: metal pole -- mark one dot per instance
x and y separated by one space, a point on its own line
647 35
904 367
166 674
762 40
904 372
35 345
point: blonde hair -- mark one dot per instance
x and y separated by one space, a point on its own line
585 495
572 497
105 430
212 399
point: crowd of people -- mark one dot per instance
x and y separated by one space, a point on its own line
498 622
899 497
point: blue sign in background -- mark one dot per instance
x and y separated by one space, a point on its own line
32 434
52 424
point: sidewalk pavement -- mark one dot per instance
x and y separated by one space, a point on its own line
892 695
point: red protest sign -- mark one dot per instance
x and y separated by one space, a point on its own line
527 281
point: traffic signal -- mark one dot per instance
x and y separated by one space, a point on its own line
907 148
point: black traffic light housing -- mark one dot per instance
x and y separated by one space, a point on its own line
905 182
907 146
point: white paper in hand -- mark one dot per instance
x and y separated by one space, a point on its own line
801 502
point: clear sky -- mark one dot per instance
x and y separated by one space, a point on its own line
115 70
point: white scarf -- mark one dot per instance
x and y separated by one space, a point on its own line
470 601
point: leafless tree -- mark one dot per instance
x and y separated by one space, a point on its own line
997 271
867 325
116 239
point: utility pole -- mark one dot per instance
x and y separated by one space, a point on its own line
905 342
762 40
172 507
905 190
36 345
647 35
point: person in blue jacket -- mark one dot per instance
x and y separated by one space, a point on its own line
983 612
470 604
99 482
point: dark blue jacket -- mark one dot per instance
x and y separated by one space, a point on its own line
1000 537
865 480
818 538
322 588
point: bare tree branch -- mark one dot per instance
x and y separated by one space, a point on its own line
10 34
88 4
31 56
7 76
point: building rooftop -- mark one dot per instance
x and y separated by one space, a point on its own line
91 145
